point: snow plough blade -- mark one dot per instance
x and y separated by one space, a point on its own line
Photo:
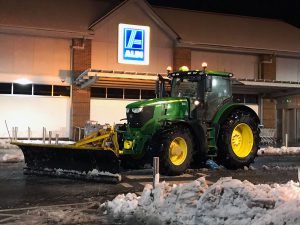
95 157
71 162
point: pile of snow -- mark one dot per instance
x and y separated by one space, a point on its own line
265 167
5 144
12 158
90 174
11 155
228 201
279 151
46 142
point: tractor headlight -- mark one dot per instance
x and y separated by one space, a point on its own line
137 110
127 110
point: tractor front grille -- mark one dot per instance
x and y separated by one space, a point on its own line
138 120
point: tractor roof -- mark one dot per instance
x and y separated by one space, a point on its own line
200 72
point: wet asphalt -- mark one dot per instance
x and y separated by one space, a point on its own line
18 190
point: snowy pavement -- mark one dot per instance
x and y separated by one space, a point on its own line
279 151
11 155
79 213
44 200
36 199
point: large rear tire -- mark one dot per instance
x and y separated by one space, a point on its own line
238 140
176 151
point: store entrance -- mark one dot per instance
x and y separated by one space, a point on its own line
290 121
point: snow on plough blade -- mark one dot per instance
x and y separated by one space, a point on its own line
90 158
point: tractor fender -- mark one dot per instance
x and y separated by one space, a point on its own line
224 112
198 130
228 108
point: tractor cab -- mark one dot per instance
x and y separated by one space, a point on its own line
205 90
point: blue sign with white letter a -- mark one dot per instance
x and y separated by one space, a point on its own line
134 44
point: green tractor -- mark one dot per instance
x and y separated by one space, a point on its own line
197 120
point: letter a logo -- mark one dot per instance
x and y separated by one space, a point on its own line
134 39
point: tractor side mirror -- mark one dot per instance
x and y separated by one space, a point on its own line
157 88
160 88
208 84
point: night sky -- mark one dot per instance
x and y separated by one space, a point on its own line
288 10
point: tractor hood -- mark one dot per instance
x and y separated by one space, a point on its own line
154 102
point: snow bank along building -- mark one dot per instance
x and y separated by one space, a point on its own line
45 45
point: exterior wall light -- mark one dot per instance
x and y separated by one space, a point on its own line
204 65
169 69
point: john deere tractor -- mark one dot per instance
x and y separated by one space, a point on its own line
197 120
193 118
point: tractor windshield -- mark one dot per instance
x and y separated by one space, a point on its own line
184 88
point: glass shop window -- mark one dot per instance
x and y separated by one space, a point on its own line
22 89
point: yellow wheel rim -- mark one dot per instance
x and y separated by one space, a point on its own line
242 140
178 151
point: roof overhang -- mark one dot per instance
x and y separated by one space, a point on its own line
44 32
116 79
127 79
266 88
236 49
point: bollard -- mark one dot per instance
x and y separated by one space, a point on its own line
29 133
44 135
74 134
155 171
50 136
286 139
16 133
13 133
56 138
79 134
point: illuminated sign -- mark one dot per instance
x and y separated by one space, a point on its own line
133 44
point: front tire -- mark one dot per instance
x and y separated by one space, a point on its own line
239 140
176 151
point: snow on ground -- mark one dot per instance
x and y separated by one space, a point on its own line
62 216
86 213
279 151
10 153
5 144
46 142
12 157
228 201
90 174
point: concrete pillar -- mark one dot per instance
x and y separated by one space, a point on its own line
268 67
181 57
80 108
268 72
269 113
